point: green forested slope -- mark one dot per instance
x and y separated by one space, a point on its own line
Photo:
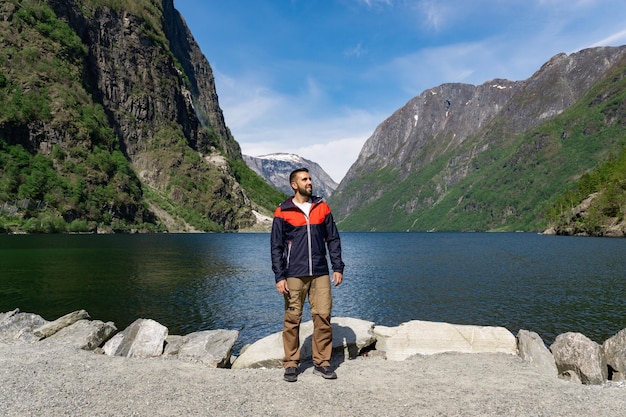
80 184
62 164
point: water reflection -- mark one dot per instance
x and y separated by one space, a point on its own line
192 282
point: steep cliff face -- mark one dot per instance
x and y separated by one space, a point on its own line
141 65
435 123
147 70
200 76
437 120
275 169
423 167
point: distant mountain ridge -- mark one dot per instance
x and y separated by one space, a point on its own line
488 157
275 169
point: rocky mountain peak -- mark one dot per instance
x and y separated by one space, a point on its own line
276 167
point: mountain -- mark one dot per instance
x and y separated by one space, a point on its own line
276 167
110 121
489 157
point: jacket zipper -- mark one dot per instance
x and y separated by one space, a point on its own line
308 235
289 252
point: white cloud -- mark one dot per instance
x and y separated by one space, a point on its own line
314 90
357 51
332 142
502 55
265 121
468 63
336 156
247 99
615 39
372 3
569 4
435 13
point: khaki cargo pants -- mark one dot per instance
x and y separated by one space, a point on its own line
320 299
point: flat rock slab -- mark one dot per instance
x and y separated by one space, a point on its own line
52 327
427 338
83 334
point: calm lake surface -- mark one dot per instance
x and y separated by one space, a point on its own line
190 282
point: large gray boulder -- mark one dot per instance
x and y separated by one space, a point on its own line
576 353
427 338
349 337
144 338
533 350
83 334
210 347
614 352
19 327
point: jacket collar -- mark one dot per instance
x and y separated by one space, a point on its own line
289 204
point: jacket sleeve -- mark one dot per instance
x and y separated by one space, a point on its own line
333 242
277 245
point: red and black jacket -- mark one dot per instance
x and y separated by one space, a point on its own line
299 244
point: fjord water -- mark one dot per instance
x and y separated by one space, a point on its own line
191 282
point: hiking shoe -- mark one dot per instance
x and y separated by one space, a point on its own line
325 372
291 374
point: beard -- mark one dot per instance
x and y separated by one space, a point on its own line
306 192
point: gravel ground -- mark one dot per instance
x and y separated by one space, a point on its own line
38 380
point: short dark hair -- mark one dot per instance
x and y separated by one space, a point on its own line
292 176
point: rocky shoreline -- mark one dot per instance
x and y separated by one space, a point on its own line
572 356
428 369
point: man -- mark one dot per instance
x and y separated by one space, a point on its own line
302 231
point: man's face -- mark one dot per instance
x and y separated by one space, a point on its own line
302 184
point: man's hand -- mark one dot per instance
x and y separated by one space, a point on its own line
281 287
337 278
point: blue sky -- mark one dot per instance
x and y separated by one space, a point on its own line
315 77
